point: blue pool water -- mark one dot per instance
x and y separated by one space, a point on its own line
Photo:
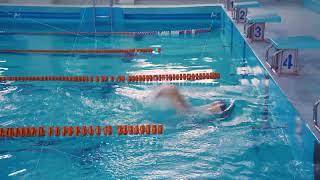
192 146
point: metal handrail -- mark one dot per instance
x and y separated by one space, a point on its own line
275 61
315 115
267 52
111 3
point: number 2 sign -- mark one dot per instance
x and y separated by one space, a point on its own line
242 15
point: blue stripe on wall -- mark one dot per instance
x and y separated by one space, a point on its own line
42 15
63 15
172 16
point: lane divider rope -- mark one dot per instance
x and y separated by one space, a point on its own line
144 129
129 79
134 50
159 33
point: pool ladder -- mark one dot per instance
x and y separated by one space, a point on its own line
315 115
111 3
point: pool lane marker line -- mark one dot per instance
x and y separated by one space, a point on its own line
128 79
265 114
134 50
159 33
122 130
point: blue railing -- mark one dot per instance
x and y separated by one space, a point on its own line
315 115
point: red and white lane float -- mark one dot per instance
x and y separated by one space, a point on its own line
134 50
119 78
150 33
52 131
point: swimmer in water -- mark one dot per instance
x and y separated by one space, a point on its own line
178 101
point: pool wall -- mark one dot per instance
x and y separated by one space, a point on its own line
107 19
63 18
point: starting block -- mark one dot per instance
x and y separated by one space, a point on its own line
228 4
284 59
240 10
254 27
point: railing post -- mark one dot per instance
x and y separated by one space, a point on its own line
94 14
111 14
315 115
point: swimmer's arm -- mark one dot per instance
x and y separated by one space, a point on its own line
177 100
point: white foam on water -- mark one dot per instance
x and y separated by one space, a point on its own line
255 82
17 172
244 82
6 156
208 59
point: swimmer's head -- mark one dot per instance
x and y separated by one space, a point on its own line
223 106
218 106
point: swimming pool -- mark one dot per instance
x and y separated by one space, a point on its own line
249 144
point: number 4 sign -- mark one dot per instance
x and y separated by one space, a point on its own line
288 62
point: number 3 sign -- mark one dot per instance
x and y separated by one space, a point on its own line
258 32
